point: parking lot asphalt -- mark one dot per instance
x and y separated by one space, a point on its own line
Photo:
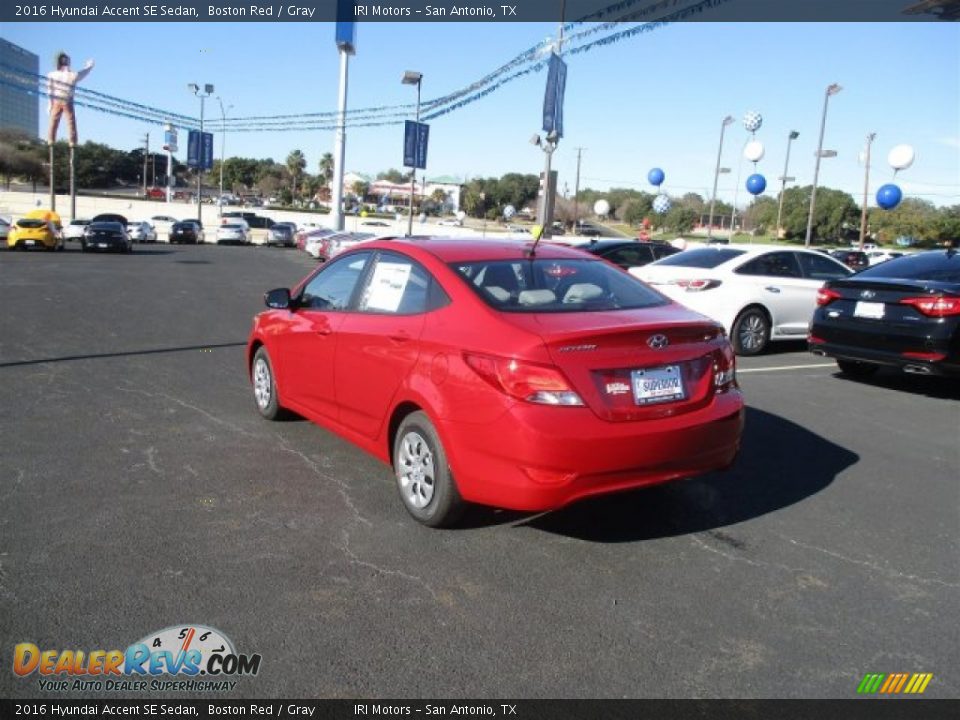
140 489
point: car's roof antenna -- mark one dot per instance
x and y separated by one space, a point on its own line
537 232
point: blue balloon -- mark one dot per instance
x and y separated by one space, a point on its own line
889 196
656 177
756 184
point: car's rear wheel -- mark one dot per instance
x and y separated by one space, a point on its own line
265 386
751 332
856 369
426 485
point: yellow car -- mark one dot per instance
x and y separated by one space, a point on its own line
34 232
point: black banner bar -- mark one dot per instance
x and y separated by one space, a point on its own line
857 709
270 11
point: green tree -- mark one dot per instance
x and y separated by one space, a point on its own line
361 189
394 176
326 168
296 164
834 213
761 215
680 219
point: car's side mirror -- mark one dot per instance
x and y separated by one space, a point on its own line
278 299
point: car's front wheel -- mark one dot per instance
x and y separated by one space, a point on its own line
426 485
265 386
751 332
857 369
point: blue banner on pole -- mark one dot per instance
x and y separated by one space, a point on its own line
200 150
207 154
553 98
346 30
415 139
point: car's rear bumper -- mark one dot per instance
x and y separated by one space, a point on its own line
32 243
944 365
540 458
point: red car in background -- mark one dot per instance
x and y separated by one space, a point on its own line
500 373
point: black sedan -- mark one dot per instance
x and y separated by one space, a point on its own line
853 259
106 236
186 231
903 313
628 253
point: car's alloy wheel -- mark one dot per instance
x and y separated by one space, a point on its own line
424 480
751 332
264 386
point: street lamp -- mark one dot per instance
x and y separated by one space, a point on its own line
832 89
866 189
544 210
207 92
223 145
716 175
412 77
784 179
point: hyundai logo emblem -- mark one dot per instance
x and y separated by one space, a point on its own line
867 294
658 342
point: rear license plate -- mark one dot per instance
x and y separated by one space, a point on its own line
657 385
869 310
102 245
31 242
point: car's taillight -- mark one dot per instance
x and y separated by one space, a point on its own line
825 296
696 285
531 382
724 368
934 306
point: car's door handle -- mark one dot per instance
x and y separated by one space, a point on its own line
772 288
401 337
324 331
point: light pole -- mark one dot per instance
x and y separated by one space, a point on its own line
545 206
207 92
866 189
783 180
832 89
223 145
716 175
412 77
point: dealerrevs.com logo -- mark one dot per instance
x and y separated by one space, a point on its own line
199 658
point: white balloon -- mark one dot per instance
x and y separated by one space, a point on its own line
753 151
601 207
509 211
901 157
661 204
461 215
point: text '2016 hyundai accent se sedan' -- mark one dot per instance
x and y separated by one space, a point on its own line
500 373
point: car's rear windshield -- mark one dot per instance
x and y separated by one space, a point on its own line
938 265
544 285
708 257
232 226
31 223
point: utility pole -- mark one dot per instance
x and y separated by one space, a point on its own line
576 193
146 154
716 175
866 190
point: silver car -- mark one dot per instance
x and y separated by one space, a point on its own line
141 232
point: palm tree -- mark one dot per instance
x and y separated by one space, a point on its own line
326 168
296 164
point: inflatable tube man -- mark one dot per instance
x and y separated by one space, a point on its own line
60 88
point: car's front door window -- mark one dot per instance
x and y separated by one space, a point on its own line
334 286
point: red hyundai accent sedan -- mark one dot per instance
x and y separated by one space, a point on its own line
499 372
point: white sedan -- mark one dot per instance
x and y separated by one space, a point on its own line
235 233
141 232
75 229
759 293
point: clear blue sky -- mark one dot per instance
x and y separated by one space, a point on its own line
652 100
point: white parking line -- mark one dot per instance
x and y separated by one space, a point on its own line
785 367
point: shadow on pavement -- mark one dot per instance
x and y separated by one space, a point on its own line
780 463
96 356
940 388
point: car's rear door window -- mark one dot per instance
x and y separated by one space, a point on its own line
773 264
399 285
817 266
